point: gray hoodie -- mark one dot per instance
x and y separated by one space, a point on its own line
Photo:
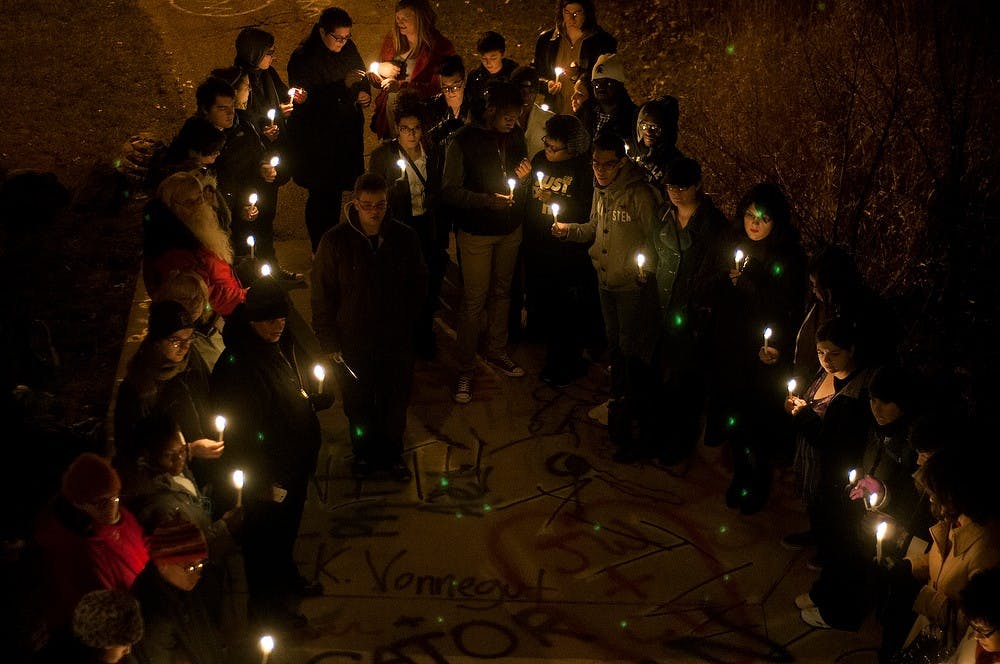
621 224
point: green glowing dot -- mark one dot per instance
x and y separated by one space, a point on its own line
725 578
444 481
260 436
731 421
454 583
458 515
126 193
777 269
723 529
746 450
744 493
440 619
821 6
232 359
358 432
623 624
678 320
731 49
486 508
118 163
597 526
147 217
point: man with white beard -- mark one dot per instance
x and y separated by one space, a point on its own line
181 232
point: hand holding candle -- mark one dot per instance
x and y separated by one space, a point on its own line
880 531
238 479
266 647
320 373
220 425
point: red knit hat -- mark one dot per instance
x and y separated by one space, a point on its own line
89 478
177 542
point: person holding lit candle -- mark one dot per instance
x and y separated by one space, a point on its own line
255 51
273 435
489 230
573 45
326 131
560 283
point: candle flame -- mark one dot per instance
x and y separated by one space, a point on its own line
640 259
265 270
512 183
767 333
319 371
792 384
238 479
880 530
739 255
253 199
251 241
401 163
220 423
270 114
275 161
555 209
373 67
559 71
291 92
544 107
266 644
540 176
873 498
852 475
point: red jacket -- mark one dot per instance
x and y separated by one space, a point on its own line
224 288
423 78
80 556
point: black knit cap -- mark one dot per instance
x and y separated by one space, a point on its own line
167 317
683 172
106 618
266 300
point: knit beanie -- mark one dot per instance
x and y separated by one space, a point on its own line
577 138
266 300
892 384
89 478
177 542
610 66
106 618
167 317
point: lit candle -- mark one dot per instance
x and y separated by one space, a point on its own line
265 270
544 107
275 160
291 95
852 476
402 168
879 536
253 199
555 212
373 67
266 646
792 384
739 259
512 183
271 115
767 336
539 176
251 242
220 425
872 500
238 479
320 374
640 260
559 72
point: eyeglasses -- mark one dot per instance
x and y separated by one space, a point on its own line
371 207
550 147
570 14
106 502
338 38
606 165
413 131
678 188
177 342
194 567
450 89
602 83
650 127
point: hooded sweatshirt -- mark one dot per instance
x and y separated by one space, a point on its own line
621 223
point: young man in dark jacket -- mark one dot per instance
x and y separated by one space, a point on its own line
480 164
369 281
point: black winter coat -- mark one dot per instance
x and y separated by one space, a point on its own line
621 124
326 132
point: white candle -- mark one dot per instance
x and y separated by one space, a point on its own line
220 425
320 373
767 336
275 160
251 242
852 475
291 95
739 259
238 479
271 115
265 270
555 212
266 646
640 260
880 530
512 183
539 176
791 387
559 72
402 168
253 199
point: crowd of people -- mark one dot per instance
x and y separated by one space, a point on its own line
577 223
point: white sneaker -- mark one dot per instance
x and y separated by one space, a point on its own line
812 617
804 601
600 413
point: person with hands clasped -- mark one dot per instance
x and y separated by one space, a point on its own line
622 217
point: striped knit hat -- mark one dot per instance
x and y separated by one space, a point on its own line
89 478
177 542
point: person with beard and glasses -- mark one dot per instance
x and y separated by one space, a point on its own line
409 58
479 164
610 109
165 377
623 215
273 435
244 168
656 137
369 284
255 56
560 284
181 231
413 196
573 45
326 131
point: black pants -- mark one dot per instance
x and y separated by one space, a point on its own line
268 537
436 257
376 403
322 213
